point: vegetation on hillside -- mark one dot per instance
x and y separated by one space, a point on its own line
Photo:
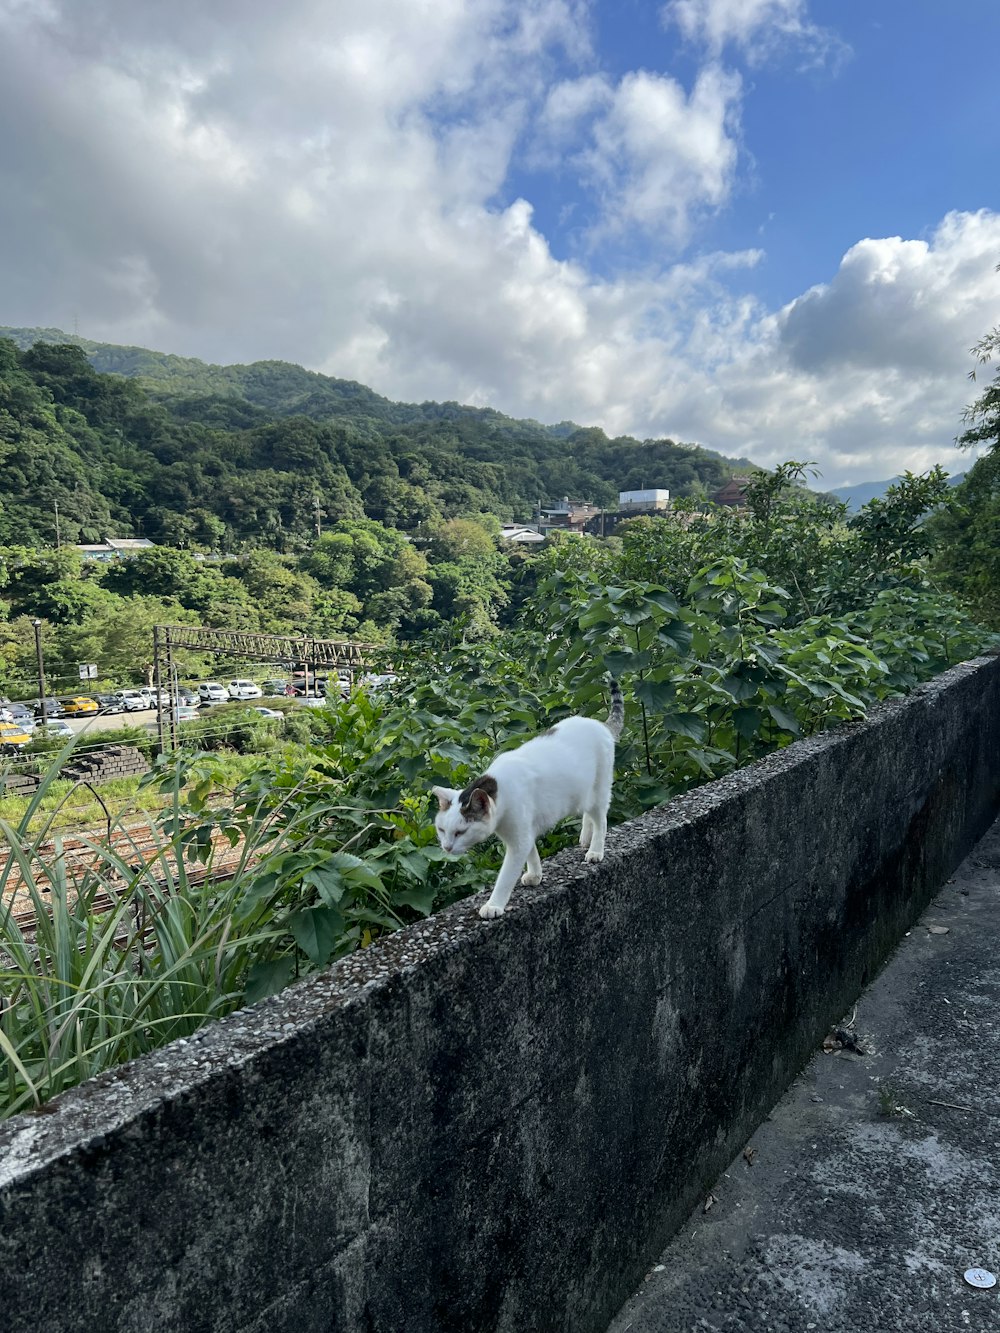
239 457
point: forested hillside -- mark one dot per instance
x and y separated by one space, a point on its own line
136 442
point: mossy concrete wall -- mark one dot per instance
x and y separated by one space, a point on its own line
495 1125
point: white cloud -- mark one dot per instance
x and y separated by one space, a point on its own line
652 156
908 305
659 157
867 373
762 29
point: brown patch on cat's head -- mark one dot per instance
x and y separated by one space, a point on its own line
475 800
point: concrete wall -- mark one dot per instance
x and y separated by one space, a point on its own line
495 1125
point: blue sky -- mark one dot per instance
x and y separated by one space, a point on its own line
769 227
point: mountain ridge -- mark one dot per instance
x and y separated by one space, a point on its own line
856 496
183 452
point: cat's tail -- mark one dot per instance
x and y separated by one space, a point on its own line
616 718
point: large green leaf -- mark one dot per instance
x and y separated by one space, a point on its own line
268 978
599 614
666 601
738 686
316 931
747 722
422 899
411 765
785 720
624 659
329 883
632 613
683 724
655 694
676 634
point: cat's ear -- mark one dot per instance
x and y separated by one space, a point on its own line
445 796
479 803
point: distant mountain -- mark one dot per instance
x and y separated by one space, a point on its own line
856 496
142 443
282 388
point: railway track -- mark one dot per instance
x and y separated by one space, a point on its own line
79 854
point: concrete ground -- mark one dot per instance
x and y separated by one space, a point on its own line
875 1183
97 722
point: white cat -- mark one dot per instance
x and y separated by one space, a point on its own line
525 792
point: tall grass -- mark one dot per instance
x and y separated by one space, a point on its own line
142 944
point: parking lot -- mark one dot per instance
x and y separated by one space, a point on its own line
112 721
97 722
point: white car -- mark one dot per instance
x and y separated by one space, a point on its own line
270 713
211 692
379 681
244 689
56 730
131 701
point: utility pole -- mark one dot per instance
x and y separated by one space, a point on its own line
318 507
41 668
58 538
171 702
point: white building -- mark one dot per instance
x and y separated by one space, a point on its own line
644 500
114 548
517 532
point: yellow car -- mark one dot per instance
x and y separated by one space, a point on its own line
12 738
80 705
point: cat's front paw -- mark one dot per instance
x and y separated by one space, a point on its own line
594 856
529 878
490 913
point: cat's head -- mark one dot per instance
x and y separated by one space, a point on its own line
466 817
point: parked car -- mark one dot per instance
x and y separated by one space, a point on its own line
211 692
5 714
379 681
56 730
131 701
153 696
80 705
186 713
297 685
13 738
168 706
244 689
109 703
269 712
21 715
187 696
274 688
53 708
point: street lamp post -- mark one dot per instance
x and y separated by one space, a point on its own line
41 668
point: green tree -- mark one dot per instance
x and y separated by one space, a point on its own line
967 537
982 417
378 565
118 636
284 596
